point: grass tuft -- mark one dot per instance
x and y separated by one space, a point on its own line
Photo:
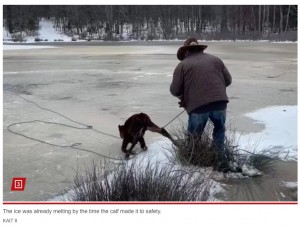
140 181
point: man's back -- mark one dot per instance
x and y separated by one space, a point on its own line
200 79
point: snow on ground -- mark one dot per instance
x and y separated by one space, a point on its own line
290 184
48 32
159 154
6 34
21 47
280 131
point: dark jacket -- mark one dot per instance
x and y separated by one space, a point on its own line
200 79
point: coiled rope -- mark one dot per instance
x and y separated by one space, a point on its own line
74 145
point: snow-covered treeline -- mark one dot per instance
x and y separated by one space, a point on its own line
149 22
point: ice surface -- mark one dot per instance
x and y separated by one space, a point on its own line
102 85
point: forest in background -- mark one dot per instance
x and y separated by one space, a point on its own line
156 22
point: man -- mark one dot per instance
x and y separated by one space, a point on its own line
200 82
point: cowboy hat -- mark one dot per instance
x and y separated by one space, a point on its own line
190 43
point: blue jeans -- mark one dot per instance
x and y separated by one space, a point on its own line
197 123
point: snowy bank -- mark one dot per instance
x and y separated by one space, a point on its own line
22 47
280 131
48 33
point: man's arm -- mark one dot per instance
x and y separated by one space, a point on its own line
176 87
227 76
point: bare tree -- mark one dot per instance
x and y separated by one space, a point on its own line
274 17
8 9
268 16
287 19
224 18
281 19
259 18
263 20
109 22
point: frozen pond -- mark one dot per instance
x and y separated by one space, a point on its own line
102 85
